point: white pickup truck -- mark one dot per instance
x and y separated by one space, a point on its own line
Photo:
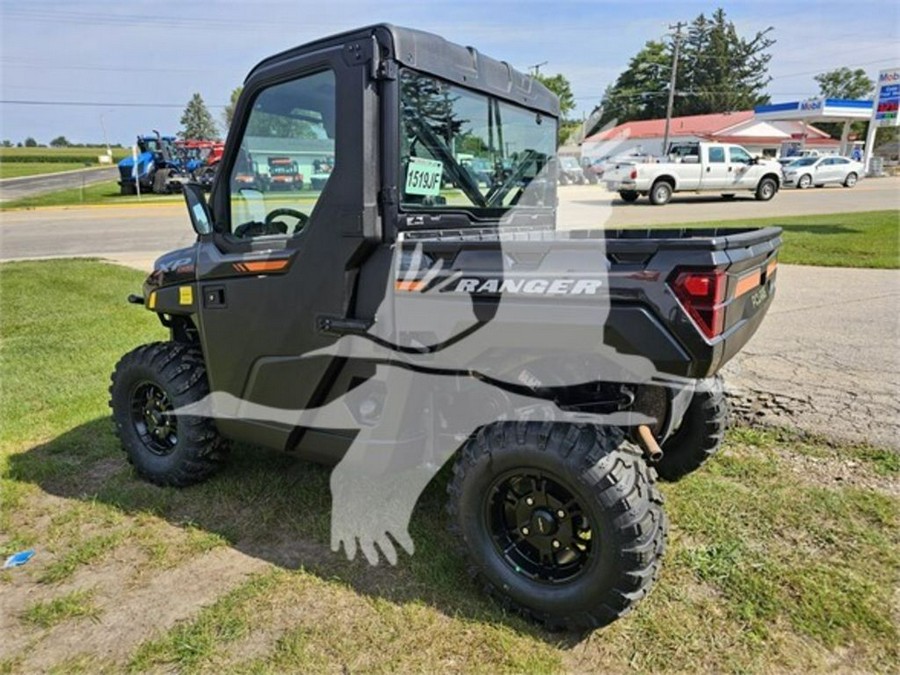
695 167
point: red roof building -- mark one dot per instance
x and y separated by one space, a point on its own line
761 137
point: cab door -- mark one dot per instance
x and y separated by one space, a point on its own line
282 263
741 170
715 173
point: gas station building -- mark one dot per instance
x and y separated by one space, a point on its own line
814 110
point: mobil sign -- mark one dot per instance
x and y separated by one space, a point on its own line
888 100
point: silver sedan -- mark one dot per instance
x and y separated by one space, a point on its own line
808 171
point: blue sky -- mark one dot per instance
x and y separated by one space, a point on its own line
161 52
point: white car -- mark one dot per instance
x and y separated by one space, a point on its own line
819 171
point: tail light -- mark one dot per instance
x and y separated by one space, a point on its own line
701 293
633 174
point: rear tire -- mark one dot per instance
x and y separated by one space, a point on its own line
149 382
850 180
701 432
660 193
766 189
629 196
127 189
597 501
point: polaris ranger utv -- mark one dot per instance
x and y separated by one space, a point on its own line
465 286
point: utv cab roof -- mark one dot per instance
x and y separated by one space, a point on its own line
464 66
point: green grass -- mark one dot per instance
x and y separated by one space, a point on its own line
81 155
19 169
98 193
767 570
862 239
46 614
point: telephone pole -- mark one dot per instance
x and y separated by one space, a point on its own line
677 28
536 68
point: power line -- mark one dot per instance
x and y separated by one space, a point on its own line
92 104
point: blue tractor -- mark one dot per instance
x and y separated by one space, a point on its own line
157 164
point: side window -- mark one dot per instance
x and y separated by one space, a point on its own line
739 156
717 155
285 158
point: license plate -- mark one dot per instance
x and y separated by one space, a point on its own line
759 296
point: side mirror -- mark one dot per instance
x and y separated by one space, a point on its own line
198 209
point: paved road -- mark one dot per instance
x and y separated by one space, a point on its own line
826 360
29 186
827 357
139 233
590 205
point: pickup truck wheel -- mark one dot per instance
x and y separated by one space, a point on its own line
147 384
850 180
629 196
804 181
660 193
561 523
766 189
700 435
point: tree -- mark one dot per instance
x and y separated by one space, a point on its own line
639 93
845 83
60 142
7 143
561 86
30 142
228 113
197 123
718 71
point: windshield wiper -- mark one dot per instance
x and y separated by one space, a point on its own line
439 148
495 197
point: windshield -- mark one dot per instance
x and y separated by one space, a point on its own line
463 149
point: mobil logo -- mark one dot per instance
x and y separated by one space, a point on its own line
811 104
889 76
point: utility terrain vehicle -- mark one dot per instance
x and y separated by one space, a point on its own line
403 248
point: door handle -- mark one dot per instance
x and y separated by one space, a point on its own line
708 169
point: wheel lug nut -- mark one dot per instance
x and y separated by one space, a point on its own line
555 544
561 514
529 501
526 531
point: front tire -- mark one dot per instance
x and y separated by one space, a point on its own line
766 189
701 432
561 523
804 182
147 384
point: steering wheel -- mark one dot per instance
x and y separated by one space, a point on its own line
302 218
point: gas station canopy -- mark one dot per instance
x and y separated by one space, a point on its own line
816 110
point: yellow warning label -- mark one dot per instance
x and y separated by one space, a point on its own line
185 295
151 302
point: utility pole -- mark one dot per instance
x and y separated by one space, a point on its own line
677 28
536 68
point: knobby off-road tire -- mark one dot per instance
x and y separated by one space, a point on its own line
610 485
164 449
701 432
